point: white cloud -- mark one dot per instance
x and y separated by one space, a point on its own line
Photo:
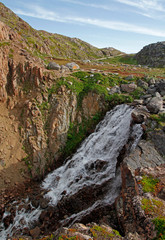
101 6
41 13
145 5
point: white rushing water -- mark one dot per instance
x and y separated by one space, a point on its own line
102 146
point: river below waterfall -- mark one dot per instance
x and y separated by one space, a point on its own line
87 181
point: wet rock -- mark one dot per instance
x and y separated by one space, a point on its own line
8 220
53 66
140 114
158 139
35 203
35 232
145 155
43 203
155 105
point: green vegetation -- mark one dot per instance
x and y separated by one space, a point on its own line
78 131
125 59
116 99
44 107
152 207
159 118
137 93
3 44
155 209
149 183
28 163
99 232
160 227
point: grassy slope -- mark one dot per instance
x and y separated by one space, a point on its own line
44 44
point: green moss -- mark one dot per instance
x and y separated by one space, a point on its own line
99 232
2 44
159 118
152 207
125 59
116 99
149 183
137 93
28 163
78 131
160 227
116 233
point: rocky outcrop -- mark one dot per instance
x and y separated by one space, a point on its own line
155 105
45 117
152 55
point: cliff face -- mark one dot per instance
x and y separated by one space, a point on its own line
40 108
152 55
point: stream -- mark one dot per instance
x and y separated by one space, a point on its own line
88 180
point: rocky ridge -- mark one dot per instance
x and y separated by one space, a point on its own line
152 55
42 44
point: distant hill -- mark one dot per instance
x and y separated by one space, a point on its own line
152 55
44 44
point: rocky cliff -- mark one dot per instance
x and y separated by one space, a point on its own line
152 55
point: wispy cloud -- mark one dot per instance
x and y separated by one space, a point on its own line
100 6
146 5
41 13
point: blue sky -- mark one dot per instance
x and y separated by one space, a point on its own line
127 25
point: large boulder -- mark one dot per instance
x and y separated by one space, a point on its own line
155 105
140 114
115 89
53 66
128 87
72 66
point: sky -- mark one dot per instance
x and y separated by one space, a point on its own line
127 25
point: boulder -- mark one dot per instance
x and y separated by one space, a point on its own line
155 105
35 232
130 77
140 114
128 87
53 66
115 89
142 84
72 66
86 61
64 69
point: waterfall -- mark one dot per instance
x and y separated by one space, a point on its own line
104 145
92 166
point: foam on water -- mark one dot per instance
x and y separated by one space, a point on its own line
104 144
